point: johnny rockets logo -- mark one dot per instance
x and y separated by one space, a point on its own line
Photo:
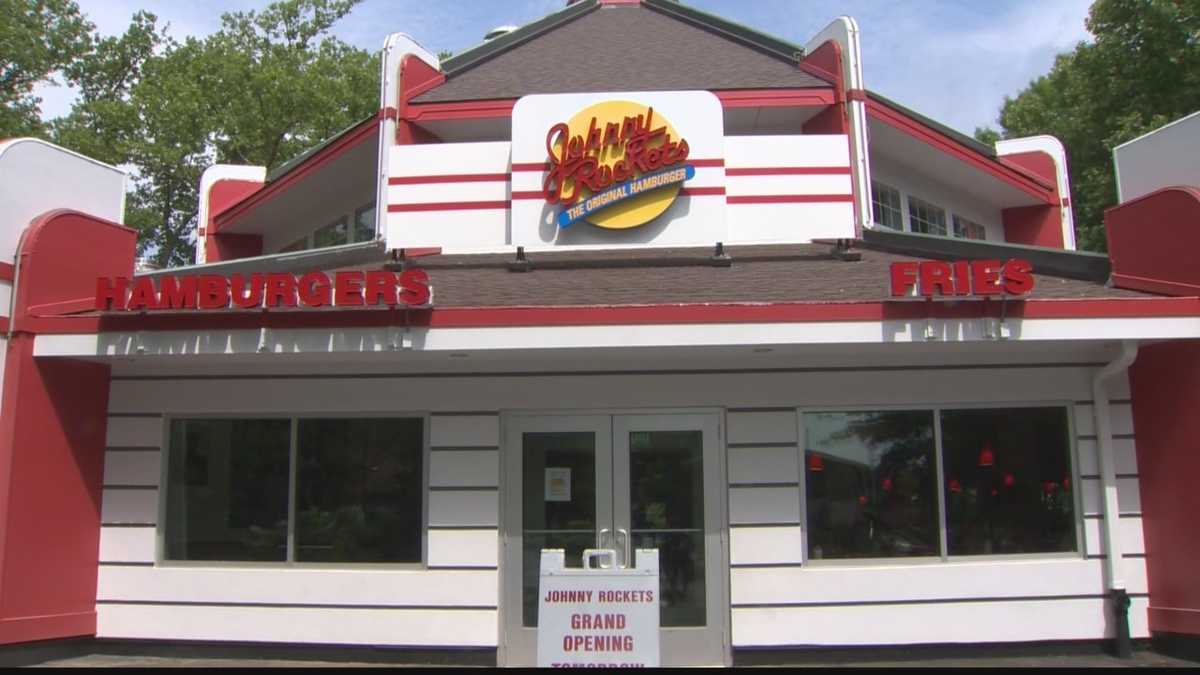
615 164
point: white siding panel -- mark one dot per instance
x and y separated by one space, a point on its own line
426 193
1132 539
1124 452
1129 498
132 468
449 508
764 465
422 627
449 159
457 228
777 151
762 427
764 505
418 588
464 548
793 184
814 584
966 622
127 544
1121 415
129 506
134 432
450 431
764 545
790 221
464 468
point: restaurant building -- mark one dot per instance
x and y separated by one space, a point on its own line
630 276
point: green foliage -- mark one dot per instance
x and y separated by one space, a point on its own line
1142 71
37 39
263 88
987 135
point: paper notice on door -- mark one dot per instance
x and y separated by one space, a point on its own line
558 484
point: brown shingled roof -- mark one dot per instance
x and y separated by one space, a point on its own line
775 273
622 48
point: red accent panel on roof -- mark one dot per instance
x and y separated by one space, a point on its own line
1033 225
1153 240
6 273
223 245
1037 163
943 143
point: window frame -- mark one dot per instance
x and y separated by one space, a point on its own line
1080 552
911 218
160 559
354 223
901 203
955 217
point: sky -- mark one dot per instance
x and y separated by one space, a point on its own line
953 61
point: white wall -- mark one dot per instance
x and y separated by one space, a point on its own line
954 201
777 597
1169 155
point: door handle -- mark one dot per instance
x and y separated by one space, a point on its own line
627 560
600 536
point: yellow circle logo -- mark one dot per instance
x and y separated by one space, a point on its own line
616 164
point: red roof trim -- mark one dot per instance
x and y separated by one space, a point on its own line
776 98
949 146
448 206
624 315
339 147
1149 285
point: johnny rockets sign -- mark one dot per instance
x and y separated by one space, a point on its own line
618 168
961 277
615 164
264 290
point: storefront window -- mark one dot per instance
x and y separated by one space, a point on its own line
358 497
872 484
1008 481
227 489
871 481
358 491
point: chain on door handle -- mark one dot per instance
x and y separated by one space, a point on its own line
627 560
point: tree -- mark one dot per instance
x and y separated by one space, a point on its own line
37 39
260 90
1141 71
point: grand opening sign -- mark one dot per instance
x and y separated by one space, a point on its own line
604 617
264 290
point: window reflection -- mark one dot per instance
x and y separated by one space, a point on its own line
1008 481
871 484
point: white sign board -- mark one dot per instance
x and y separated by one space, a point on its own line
598 617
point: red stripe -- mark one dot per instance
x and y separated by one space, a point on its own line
701 191
790 171
705 162
3 324
789 199
449 178
606 315
7 271
531 166
528 194
448 206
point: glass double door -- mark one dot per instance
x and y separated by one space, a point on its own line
620 482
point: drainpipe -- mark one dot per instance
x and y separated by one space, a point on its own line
1113 567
